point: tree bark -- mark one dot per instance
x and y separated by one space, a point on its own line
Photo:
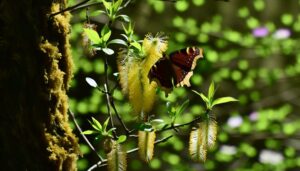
35 70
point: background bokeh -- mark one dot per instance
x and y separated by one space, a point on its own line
252 53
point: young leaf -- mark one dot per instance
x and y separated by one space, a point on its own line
106 4
204 98
104 30
96 13
105 124
92 35
121 139
96 124
182 107
106 36
223 100
117 4
108 51
89 132
137 45
124 17
117 41
211 91
109 132
91 82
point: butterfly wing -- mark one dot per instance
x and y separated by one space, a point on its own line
183 63
177 70
162 73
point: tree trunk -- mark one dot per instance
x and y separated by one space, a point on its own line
35 70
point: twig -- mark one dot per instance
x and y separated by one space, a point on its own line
68 9
108 110
179 125
83 136
118 116
104 162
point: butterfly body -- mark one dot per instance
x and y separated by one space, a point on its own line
175 69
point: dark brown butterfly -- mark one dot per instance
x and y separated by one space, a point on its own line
175 69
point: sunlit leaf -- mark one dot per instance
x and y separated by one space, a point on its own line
105 29
137 45
108 51
96 13
117 41
89 132
96 124
106 36
117 4
92 35
223 100
105 124
182 108
107 5
211 90
124 17
122 139
91 82
204 98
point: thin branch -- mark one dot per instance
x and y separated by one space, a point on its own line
68 9
109 111
118 116
104 162
83 136
179 125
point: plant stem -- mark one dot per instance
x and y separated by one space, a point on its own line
84 137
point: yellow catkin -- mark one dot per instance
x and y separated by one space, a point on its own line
146 145
117 158
134 70
135 88
202 139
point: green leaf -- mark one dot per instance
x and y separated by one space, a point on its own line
157 122
117 4
223 100
106 36
109 132
211 91
105 30
121 139
108 51
96 125
204 98
89 132
92 35
96 13
126 18
91 82
105 124
106 4
137 45
117 41
182 107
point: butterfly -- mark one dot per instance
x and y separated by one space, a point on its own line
175 69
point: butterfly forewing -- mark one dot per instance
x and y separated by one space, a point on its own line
186 58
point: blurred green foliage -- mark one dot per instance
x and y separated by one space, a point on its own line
261 70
